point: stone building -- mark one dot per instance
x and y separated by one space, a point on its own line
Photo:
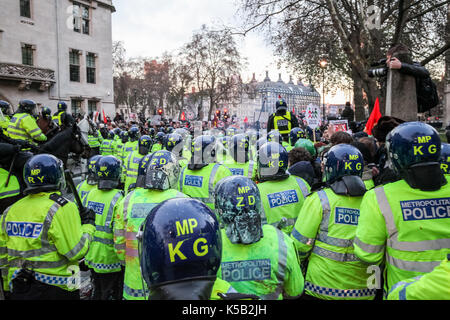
258 99
57 50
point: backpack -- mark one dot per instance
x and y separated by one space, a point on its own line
427 95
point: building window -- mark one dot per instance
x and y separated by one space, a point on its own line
90 68
27 54
74 61
25 8
81 18
92 107
76 106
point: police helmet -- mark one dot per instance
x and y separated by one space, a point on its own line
445 158
111 134
43 173
144 144
169 130
306 144
28 106
412 143
92 175
223 144
117 131
343 160
179 240
46 111
181 131
174 143
108 170
124 136
310 133
295 134
62 106
231 131
281 104
133 133
160 137
151 132
203 149
239 147
4 106
158 170
238 205
275 136
272 162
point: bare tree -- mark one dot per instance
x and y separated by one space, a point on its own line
214 57
350 34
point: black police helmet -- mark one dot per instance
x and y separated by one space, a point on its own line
180 240
43 173
238 204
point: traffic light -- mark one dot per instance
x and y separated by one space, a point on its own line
218 114
160 111
225 114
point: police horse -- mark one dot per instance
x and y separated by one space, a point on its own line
63 145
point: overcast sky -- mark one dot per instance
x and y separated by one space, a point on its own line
150 27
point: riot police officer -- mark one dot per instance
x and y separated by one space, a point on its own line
199 178
106 270
275 136
91 180
159 141
404 224
325 228
5 108
106 147
23 124
282 195
282 120
242 164
272 271
222 152
157 179
58 116
49 226
182 262
133 160
295 134
174 143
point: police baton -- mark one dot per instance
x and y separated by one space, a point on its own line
11 168
74 190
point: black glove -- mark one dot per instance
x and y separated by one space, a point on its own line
87 216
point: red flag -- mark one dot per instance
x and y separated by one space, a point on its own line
104 117
374 117
246 120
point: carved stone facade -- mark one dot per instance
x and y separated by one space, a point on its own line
35 53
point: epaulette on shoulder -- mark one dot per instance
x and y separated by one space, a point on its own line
59 199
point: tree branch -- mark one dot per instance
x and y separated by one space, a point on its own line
436 54
267 17
426 11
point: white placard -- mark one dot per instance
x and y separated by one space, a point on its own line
312 116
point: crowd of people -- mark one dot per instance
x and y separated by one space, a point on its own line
165 212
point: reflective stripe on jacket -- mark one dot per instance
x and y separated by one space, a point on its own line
44 235
324 231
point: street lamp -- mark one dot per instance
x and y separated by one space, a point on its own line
323 64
